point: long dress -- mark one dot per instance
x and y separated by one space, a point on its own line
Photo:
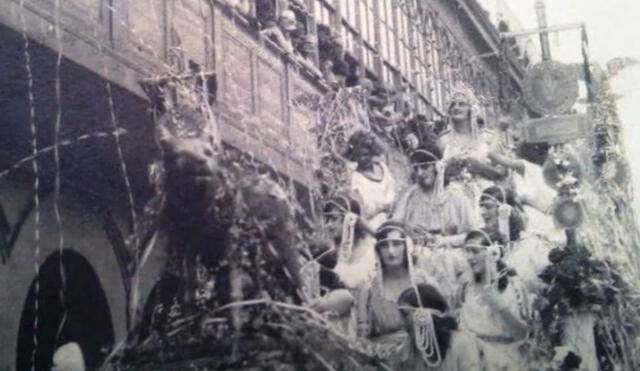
528 256
382 328
377 197
458 146
501 351
463 354
355 272
447 213
538 196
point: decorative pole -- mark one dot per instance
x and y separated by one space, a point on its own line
541 12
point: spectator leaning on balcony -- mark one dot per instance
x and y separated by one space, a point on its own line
280 32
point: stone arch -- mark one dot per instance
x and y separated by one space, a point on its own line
72 307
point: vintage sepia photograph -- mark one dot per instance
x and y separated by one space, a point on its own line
319 185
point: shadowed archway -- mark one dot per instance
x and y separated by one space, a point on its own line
72 307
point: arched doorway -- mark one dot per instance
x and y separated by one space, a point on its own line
71 307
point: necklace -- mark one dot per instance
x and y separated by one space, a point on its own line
371 175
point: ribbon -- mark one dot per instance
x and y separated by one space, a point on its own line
345 250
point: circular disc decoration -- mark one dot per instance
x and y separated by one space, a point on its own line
567 213
560 168
550 88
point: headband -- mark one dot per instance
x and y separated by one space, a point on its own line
504 212
440 168
340 207
425 152
493 252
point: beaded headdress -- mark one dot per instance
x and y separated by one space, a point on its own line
464 91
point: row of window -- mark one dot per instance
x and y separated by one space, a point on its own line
415 49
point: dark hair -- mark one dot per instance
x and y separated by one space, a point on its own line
533 152
486 237
507 196
433 153
430 297
362 138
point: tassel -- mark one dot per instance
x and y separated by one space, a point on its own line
504 213
345 250
491 261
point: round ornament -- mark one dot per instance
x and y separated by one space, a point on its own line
550 88
567 213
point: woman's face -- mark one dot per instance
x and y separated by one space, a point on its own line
363 156
476 255
425 175
459 109
392 250
333 224
489 213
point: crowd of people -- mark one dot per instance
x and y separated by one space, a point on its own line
442 275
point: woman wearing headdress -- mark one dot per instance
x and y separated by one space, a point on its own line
466 145
526 253
371 181
494 305
533 192
402 318
431 211
379 321
350 253
438 218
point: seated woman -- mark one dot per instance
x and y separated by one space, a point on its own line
380 324
438 343
494 305
371 181
526 253
434 214
438 218
350 244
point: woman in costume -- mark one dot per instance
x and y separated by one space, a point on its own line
466 145
438 219
350 243
371 181
379 322
494 305
400 315
433 213
524 252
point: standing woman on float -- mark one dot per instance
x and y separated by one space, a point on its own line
371 180
466 145
494 305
